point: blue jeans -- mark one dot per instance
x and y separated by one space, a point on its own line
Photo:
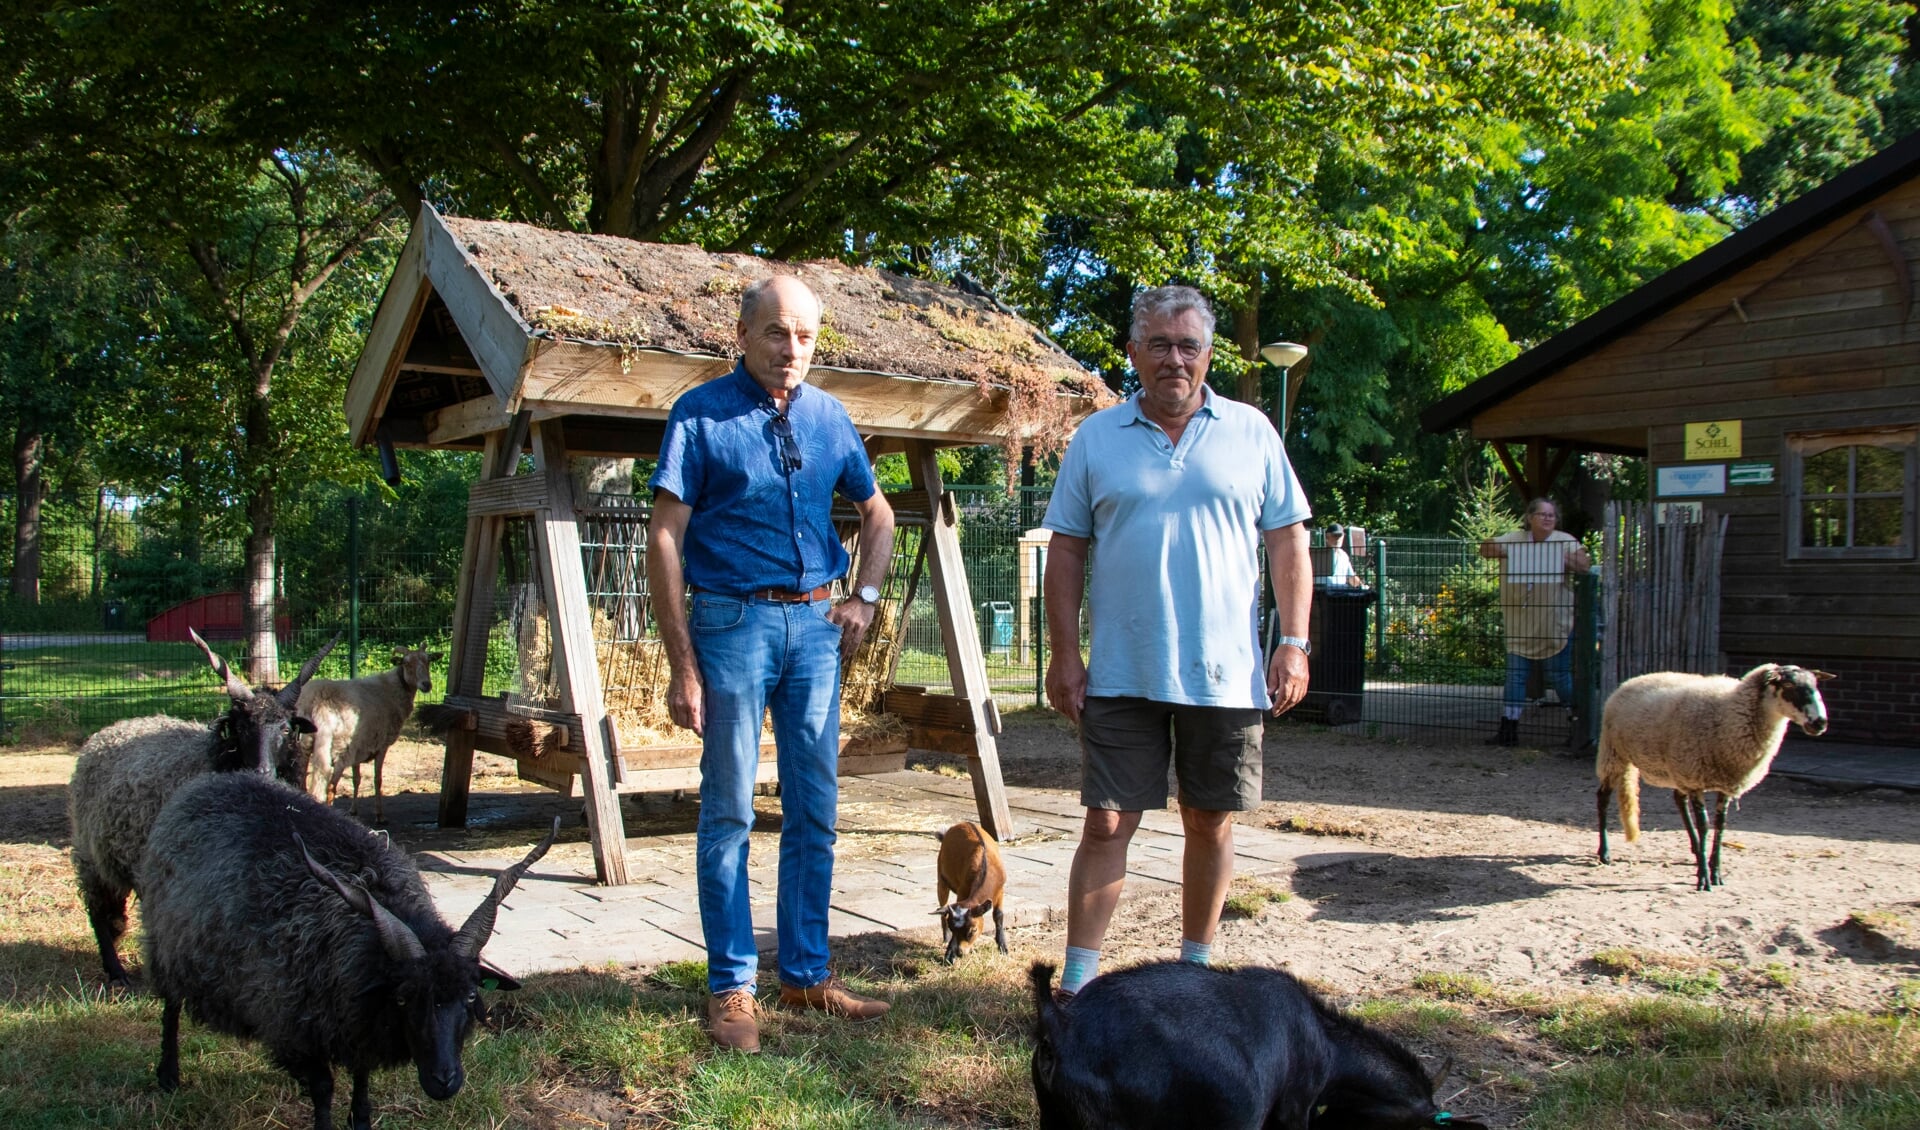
1559 674
755 655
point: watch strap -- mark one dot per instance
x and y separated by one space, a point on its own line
1305 646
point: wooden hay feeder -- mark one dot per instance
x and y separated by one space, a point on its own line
508 339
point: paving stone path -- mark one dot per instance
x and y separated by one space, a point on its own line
883 879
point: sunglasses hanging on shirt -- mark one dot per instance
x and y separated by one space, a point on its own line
789 450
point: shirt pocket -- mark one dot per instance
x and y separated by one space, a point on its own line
717 613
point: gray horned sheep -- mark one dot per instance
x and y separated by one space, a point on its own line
1695 734
356 720
272 917
126 772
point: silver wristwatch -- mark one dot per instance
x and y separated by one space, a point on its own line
869 594
1305 646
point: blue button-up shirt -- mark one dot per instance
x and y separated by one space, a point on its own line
755 524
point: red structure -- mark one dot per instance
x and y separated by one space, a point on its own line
216 616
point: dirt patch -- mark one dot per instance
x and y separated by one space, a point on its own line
1482 861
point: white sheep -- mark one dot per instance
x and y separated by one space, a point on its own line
1695 734
355 720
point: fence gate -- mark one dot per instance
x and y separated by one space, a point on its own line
1662 592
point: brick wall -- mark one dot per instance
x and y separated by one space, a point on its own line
1875 701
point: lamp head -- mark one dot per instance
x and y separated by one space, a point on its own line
1283 354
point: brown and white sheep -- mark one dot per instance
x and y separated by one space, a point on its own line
1695 734
356 720
970 869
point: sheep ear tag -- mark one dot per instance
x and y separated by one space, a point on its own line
493 978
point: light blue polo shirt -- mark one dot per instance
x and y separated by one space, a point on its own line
1174 559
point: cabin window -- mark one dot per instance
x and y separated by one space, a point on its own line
1851 494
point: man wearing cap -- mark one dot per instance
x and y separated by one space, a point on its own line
1170 496
742 520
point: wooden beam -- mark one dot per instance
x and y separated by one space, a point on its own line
394 322
501 342
492 715
607 379
1554 466
474 417
966 664
1897 259
515 494
576 671
1514 475
467 656
1536 468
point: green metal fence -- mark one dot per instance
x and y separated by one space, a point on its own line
1433 642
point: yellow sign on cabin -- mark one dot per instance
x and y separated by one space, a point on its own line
1714 439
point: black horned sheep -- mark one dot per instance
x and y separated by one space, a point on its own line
126 772
357 720
970 869
271 917
1695 734
1176 1045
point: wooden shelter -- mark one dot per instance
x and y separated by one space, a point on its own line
1774 379
508 339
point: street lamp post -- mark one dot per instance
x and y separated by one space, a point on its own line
1282 355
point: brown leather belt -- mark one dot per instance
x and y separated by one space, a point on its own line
783 596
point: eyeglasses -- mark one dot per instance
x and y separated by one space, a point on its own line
1188 348
789 450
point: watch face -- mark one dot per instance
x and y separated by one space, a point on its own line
869 594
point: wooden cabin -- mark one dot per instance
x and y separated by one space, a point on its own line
511 340
1773 379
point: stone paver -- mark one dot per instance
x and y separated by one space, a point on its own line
557 919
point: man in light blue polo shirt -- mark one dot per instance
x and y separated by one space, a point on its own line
748 469
1169 496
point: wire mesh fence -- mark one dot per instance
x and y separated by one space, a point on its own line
1421 649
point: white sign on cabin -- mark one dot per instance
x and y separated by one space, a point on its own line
1707 478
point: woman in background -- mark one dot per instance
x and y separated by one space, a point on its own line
1536 607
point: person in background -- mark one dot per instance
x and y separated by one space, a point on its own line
742 519
1340 566
1536 608
1169 497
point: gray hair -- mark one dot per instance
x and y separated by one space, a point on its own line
756 292
1170 300
1536 505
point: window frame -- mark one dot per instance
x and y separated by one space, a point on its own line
1801 446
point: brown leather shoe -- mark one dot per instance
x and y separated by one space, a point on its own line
733 1021
834 998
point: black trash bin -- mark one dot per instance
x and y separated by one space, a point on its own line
115 618
1338 666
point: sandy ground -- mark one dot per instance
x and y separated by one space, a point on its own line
1478 861
1486 864
1481 860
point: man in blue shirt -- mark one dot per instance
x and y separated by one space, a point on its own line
1171 494
742 519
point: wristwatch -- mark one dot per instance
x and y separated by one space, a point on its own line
869 594
1305 646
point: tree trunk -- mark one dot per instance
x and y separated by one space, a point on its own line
263 651
99 520
189 496
29 453
1246 336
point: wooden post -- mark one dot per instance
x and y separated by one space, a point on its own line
472 618
966 664
556 530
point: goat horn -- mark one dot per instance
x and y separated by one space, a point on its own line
290 694
236 690
1446 1065
479 925
396 937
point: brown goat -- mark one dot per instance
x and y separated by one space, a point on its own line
970 862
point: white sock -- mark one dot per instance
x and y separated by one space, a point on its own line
1200 953
1082 965
1511 712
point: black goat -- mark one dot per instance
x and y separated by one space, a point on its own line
1177 1045
126 772
251 927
